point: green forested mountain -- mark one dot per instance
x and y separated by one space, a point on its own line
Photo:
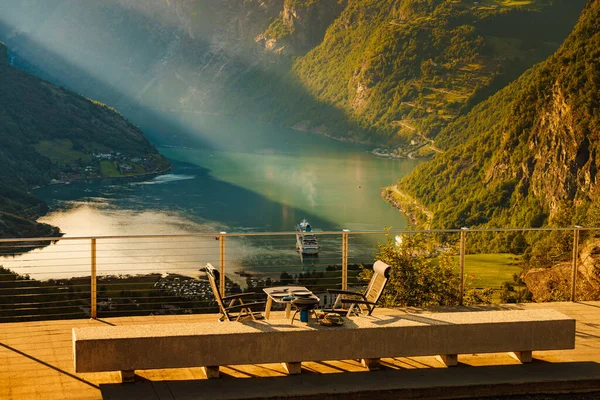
392 71
384 70
405 69
529 154
48 133
388 71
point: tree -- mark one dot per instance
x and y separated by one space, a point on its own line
286 279
417 278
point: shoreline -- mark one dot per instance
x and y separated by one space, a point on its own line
417 214
56 229
301 128
124 177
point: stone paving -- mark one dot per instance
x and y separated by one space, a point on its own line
36 362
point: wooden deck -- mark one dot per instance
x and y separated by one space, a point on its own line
36 362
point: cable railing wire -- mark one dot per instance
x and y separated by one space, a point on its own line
121 261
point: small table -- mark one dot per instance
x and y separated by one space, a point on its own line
274 295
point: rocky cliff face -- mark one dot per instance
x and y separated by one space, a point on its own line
554 284
560 165
300 25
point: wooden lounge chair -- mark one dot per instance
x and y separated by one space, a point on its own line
355 303
233 311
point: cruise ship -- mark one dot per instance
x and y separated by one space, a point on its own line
306 241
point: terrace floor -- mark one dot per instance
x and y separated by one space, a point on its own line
36 362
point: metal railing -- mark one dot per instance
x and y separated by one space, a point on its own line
38 280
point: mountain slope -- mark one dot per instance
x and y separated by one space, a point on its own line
405 69
48 133
383 70
531 151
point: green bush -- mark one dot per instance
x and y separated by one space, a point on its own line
416 278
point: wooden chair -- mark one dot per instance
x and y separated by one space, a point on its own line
233 311
363 303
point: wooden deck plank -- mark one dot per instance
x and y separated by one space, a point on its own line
36 362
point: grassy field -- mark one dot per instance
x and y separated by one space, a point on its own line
490 270
109 169
60 151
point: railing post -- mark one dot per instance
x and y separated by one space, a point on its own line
575 257
345 259
222 262
461 293
93 308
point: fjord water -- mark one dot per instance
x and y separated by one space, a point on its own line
235 176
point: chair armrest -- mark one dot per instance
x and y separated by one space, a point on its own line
350 301
347 292
237 296
245 305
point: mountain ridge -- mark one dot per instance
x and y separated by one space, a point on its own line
378 70
412 67
530 152
48 135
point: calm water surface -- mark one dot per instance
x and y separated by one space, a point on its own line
232 176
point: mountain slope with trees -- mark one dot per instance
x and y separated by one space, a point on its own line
529 156
48 133
387 71
406 69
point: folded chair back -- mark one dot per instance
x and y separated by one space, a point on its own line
213 278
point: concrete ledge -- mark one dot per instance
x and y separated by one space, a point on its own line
127 376
292 368
449 360
210 372
372 364
522 356
127 348
442 383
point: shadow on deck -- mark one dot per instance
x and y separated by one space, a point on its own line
37 362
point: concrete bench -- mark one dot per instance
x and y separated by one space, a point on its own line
209 345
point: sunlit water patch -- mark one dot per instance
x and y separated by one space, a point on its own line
186 253
167 178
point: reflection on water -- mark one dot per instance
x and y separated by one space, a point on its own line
99 218
186 255
68 258
267 181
